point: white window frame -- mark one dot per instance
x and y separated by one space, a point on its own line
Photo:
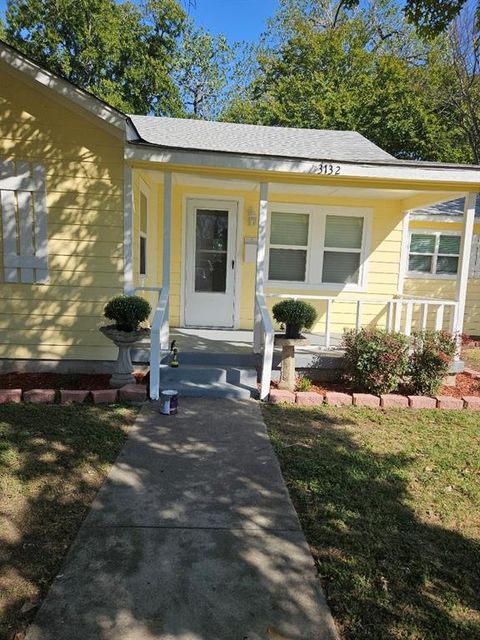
431 275
144 189
316 246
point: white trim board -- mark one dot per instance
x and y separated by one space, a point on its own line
457 176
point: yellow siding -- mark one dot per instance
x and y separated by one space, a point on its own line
445 289
84 180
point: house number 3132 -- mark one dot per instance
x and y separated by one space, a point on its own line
326 169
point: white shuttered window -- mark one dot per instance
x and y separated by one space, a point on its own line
23 211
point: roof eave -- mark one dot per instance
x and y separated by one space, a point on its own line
80 97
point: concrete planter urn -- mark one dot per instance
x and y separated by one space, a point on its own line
123 368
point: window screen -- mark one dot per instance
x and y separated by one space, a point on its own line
343 244
288 246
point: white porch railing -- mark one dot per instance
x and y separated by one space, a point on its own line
264 333
159 335
399 316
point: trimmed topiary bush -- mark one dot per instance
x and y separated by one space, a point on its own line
295 315
375 360
127 312
431 356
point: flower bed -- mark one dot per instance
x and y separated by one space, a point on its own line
50 380
464 395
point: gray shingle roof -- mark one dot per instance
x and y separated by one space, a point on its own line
311 144
450 208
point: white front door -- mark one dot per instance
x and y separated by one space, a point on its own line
210 263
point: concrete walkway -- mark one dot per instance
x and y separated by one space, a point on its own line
192 537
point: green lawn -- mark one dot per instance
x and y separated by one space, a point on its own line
52 462
390 504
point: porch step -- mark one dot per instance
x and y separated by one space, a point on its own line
214 382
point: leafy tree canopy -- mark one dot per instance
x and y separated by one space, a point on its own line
121 51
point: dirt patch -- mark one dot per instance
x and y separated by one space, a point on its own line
49 380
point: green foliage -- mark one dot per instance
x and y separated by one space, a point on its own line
295 315
375 360
127 311
302 383
431 357
121 51
327 72
203 71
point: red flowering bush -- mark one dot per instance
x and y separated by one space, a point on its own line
375 360
431 356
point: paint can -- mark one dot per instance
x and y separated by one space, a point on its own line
169 402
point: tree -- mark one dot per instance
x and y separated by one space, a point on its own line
458 89
121 51
203 71
333 78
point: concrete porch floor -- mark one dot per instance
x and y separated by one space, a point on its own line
237 341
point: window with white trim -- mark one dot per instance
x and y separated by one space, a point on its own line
317 246
143 233
342 249
434 253
288 246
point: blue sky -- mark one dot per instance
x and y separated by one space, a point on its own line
237 19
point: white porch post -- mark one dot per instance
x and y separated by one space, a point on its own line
127 230
167 241
260 267
463 266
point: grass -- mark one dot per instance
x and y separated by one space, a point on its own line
471 357
390 505
53 459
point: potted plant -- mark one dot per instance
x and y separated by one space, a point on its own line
295 315
127 312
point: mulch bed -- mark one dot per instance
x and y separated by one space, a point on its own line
466 385
49 380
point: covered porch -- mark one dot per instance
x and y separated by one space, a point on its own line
384 192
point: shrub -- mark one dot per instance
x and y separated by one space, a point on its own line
127 311
295 315
430 359
375 360
302 383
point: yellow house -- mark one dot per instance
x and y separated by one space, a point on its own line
214 222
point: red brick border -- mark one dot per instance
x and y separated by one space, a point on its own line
77 396
386 401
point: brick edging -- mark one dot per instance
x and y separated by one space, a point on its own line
386 401
128 393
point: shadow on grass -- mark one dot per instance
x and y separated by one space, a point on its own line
52 462
386 573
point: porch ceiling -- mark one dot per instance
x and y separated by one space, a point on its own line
413 198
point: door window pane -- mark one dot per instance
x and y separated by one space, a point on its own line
344 232
287 264
211 230
340 267
211 271
420 263
421 243
289 229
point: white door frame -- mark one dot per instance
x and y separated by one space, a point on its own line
239 201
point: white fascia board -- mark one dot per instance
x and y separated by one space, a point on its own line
376 171
62 87
434 218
